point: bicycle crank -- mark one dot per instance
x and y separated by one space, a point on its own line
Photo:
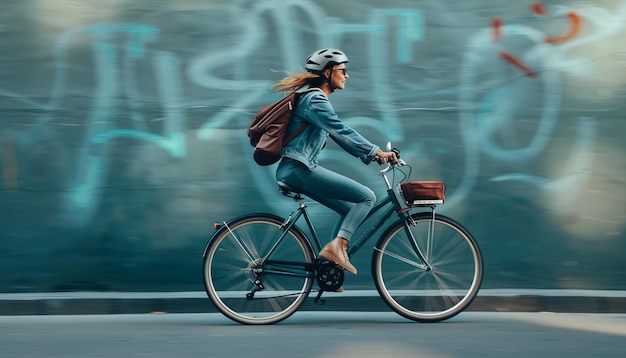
329 278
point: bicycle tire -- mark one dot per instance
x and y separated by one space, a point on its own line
417 293
229 272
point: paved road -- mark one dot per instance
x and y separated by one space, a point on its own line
315 334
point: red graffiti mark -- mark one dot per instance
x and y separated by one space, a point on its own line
574 19
538 9
517 63
496 26
575 22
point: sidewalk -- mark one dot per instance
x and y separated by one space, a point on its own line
501 300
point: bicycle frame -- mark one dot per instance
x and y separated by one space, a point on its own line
389 204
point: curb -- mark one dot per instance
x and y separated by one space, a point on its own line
488 300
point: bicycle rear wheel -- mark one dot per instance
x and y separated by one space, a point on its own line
416 292
251 275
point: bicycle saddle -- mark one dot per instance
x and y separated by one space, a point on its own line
287 190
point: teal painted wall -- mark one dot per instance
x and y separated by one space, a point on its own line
123 130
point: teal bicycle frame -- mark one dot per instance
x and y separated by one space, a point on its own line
393 203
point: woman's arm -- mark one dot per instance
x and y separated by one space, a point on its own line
322 114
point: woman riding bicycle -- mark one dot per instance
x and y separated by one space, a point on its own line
326 71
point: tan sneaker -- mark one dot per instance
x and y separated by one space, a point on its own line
337 251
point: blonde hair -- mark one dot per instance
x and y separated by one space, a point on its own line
295 81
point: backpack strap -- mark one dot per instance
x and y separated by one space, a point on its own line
303 126
295 134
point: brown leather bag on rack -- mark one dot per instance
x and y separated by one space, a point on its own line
423 192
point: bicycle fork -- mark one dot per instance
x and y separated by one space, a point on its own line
408 223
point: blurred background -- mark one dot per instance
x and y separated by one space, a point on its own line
123 130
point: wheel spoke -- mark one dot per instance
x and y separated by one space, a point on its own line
246 250
403 259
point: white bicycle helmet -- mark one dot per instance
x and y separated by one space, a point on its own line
320 60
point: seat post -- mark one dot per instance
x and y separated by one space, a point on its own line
300 200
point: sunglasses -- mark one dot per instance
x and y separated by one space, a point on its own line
343 70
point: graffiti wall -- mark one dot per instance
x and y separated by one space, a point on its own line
123 130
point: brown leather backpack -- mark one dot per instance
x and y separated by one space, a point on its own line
267 130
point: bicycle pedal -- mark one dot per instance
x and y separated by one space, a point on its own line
318 299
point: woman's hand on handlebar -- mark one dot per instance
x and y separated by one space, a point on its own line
385 157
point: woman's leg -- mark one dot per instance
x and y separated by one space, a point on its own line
350 199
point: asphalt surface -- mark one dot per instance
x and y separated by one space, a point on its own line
78 303
316 334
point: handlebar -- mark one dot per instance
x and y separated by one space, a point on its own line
382 161
390 166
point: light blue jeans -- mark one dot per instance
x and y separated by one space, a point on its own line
350 199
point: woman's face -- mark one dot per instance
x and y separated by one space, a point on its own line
339 76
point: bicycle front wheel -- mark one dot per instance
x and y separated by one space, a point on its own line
438 287
256 273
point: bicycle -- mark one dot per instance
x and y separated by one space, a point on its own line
260 268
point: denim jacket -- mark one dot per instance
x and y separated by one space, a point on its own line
313 107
